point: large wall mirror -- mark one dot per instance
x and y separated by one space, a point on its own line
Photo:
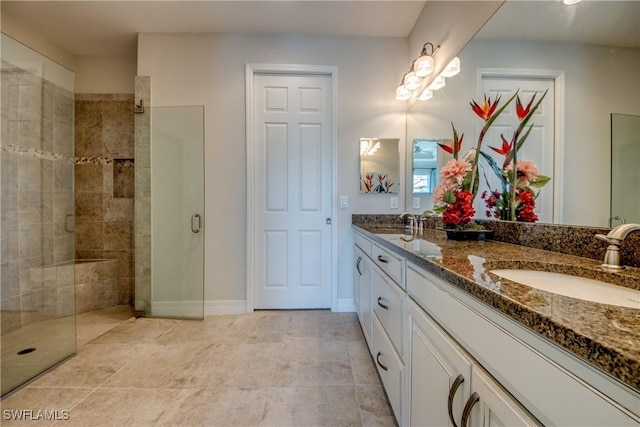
590 54
379 165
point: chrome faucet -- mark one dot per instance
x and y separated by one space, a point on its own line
413 224
615 238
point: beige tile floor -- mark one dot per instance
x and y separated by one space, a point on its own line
306 368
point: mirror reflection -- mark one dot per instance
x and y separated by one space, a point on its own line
425 165
379 165
590 54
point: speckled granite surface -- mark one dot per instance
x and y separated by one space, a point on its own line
606 336
566 239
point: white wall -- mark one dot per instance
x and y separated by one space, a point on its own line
105 74
599 81
188 69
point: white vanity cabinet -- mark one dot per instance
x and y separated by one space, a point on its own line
537 374
438 373
447 359
379 296
362 291
447 387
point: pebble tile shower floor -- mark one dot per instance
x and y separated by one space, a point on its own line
271 368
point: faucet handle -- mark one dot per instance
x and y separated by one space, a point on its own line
606 239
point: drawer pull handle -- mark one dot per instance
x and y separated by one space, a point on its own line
386 307
380 364
452 393
382 259
358 265
468 407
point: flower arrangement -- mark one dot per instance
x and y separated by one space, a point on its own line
459 182
384 185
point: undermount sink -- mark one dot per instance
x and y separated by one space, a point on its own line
574 287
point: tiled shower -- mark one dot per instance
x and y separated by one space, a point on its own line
104 185
67 210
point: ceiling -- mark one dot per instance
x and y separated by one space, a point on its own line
110 27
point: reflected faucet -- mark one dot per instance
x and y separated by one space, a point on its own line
615 238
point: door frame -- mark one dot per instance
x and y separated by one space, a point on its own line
298 70
558 77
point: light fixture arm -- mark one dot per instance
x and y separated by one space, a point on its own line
433 50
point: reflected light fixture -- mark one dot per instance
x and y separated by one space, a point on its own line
570 2
437 83
452 68
425 64
426 95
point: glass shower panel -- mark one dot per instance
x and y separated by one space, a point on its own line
177 212
625 173
37 299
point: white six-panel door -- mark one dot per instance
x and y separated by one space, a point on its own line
292 133
539 146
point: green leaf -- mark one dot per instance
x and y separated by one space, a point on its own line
449 197
495 168
540 181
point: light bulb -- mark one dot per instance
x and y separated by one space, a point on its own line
411 81
437 83
423 66
452 68
426 95
402 93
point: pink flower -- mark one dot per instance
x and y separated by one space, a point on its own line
438 192
455 170
527 172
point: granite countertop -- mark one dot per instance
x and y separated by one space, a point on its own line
606 336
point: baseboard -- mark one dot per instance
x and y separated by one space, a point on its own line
345 305
194 308
212 307
176 309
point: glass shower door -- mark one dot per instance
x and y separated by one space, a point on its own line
177 212
37 295
625 174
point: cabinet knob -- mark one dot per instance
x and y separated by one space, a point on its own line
473 399
452 394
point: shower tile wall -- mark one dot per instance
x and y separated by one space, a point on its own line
104 186
36 197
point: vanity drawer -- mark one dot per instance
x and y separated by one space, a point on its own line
387 301
390 263
389 367
362 242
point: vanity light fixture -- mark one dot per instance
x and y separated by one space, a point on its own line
425 64
411 81
570 2
402 93
413 85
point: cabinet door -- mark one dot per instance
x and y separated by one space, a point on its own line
491 406
438 372
387 302
362 291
